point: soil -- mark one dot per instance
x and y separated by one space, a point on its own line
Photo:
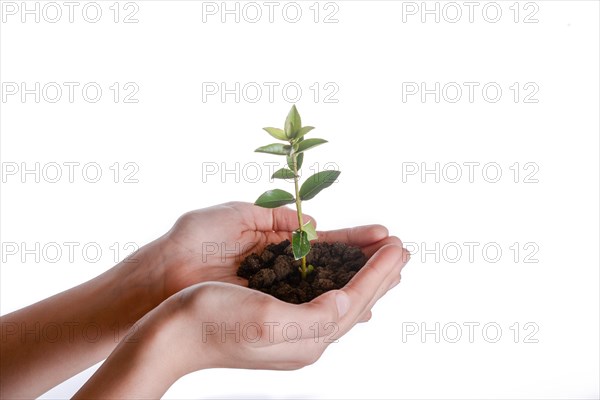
275 271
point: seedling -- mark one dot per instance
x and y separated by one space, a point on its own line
293 133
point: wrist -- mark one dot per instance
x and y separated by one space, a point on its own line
177 266
181 323
156 340
142 366
138 279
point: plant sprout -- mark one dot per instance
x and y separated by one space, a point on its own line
293 133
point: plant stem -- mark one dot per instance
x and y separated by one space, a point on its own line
298 209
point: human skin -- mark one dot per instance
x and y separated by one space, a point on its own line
169 288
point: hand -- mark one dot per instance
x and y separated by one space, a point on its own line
187 332
226 326
209 244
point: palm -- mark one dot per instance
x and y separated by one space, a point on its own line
211 242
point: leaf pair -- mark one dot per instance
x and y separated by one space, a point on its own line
280 149
310 188
292 128
280 134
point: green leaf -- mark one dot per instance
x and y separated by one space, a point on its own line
309 144
276 133
283 173
310 230
299 159
274 198
300 244
275 148
317 182
293 123
303 131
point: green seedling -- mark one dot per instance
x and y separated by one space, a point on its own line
293 133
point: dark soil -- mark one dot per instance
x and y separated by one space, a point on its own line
276 272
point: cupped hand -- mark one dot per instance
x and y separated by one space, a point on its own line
221 325
208 245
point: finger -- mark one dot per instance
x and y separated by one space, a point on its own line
358 236
372 248
340 309
392 279
366 286
281 219
343 308
398 278
365 317
395 282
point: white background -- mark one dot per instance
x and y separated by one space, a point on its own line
376 132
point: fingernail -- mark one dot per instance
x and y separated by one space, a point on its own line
343 303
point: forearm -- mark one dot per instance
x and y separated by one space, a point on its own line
145 363
52 340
